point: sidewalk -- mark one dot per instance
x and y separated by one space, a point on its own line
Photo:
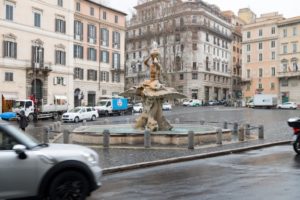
117 159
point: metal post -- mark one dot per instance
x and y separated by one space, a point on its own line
84 122
225 125
46 134
235 128
247 129
66 136
241 134
261 132
191 142
147 139
219 136
106 138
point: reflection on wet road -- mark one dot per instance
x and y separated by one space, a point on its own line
271 173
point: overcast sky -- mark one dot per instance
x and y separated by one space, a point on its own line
289 8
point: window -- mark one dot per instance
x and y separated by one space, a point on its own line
60 3
260 57
272 86
116 19
37 56
37 19
105 56
181 77
260 86
248 58
116 77
116 60
273 71
294 47
92 54
285 48
260 32
248 47
9 12
284 32
248 87
194 46
248 34
92 34
284 82
78 30
260 72
92 11
9 76
104 37
104 76
194 76
10 49
92 75
60 57
78 73
248 73
207 37
273 30
260 45
195 65
273 44
78 6
116 40
194 19
78 51
294 31
60 26
273 55
104 15
295 66
59 81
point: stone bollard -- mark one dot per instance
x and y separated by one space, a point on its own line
191 142
106 138
55 126
84 122
247 129
219 136
52 129
147 139
66 136
241 135
59 127
202 122
261 132
46 134
235 128
225 125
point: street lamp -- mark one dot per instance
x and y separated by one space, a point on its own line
38 55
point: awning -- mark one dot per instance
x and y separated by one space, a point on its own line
10 96
60 97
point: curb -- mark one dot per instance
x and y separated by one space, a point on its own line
123 168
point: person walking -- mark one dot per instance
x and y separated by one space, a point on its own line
23 123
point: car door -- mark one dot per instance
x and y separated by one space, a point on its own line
18 178
89 113
83 114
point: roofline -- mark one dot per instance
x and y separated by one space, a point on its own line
101 5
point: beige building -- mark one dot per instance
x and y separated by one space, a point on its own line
260 55
236 53
289 58
247 15
194 40
36 55
99 49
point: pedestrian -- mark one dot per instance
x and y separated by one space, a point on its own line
23 123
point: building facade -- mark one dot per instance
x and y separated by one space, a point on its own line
99 49
289 58
195 45
36 55
260 56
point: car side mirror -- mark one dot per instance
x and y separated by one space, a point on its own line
20 151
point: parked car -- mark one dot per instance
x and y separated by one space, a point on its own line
213 102
186 102
45 171
287 105
194 103
166 106
138 107
80 113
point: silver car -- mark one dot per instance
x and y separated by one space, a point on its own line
45 171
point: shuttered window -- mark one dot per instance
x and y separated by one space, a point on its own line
60 57
60 26
9 49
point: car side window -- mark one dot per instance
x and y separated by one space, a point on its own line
28 104
6 141
108 104
89 109
83 110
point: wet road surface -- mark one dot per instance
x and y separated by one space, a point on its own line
271 173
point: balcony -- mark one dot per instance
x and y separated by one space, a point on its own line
286 74
117 69
39 68
246 80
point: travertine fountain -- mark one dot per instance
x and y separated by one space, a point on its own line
153 93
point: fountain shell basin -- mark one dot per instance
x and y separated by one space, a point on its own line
125 134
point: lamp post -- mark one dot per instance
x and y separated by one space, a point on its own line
38 55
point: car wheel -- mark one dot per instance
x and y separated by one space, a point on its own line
30 117
93 118
69 185
106 113
76 120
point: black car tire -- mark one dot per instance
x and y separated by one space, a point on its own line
76 120
69 185
93 118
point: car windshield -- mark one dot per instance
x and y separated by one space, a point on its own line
102 103
75 110
19 104
22 137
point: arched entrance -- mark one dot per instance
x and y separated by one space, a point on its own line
37 90
77 97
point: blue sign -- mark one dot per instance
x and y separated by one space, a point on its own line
119 104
